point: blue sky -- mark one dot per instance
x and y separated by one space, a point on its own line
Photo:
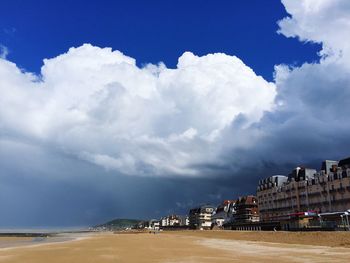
152 31
245 90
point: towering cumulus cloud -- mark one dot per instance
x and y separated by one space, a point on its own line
96 104
311 121
210 114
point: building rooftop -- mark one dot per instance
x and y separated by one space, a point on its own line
344 162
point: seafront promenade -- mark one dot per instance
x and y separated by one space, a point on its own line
190 246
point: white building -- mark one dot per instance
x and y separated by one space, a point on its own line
174 220
154 224
200 217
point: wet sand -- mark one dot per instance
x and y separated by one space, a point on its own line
13 241
191 246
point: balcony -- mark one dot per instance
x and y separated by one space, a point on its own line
341 190
316 204
314 193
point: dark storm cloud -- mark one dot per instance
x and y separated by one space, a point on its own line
59 191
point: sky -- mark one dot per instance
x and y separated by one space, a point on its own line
152 31
112 109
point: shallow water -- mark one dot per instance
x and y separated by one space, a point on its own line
8 242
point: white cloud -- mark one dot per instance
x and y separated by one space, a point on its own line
321 21
211 113
319 87
311 119
96 104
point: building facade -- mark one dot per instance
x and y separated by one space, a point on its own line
174 221
223 213
154 224
200 217
246 210
305 190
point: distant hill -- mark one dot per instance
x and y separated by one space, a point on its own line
119 223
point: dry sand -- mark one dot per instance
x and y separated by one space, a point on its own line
191 246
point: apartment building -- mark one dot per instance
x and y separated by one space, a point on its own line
305 190
154 224
246 210
200 217
174 221
223 213
171 220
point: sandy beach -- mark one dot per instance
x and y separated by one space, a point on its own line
189 246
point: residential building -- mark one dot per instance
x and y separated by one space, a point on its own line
164 221
184 221
142 225
246 210
174 220
200 217
223 213
154 224
306 191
